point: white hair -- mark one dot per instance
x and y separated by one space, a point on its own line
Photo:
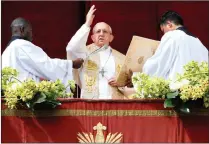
110 29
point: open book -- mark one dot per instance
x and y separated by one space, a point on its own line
139 51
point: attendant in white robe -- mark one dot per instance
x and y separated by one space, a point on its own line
30 60
176 49
106 59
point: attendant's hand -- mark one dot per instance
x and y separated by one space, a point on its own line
77 63
127 91
90 16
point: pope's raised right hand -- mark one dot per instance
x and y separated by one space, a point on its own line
90 16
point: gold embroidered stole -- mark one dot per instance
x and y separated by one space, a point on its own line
119 60
89 82
90 75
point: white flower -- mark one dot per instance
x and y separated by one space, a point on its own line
14 86
177 85
149 96
184 82
136 85
174 86
142 94
135 74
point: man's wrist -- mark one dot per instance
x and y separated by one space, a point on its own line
87 24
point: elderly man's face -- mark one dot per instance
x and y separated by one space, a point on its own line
101 34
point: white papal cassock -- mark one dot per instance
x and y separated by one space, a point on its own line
32 62
93 84
174 51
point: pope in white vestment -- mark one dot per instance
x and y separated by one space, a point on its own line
30 60
97 68
176 49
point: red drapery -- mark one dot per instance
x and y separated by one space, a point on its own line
138 121
55 22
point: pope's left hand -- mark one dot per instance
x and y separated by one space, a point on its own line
112 82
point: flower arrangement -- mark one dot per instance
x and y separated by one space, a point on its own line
190 89
30 93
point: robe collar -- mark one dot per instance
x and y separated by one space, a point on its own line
14 38
184 29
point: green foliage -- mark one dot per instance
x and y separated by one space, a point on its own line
172 94
198 88
168 103
7 77
31 93
150 87
191 86
194 72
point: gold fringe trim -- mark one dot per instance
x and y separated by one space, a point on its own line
66 112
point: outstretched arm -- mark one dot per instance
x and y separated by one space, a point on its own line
77 45
36 61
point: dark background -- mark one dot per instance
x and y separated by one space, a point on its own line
54 23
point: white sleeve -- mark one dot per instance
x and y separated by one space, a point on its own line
33 59
77 45
161 62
